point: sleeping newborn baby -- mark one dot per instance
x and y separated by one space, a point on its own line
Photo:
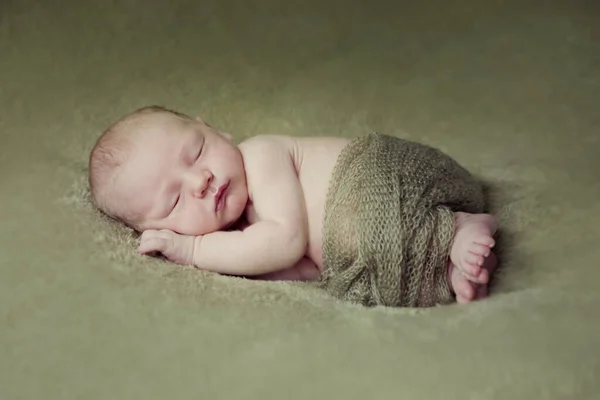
256 209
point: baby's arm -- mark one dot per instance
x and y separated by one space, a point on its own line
279 239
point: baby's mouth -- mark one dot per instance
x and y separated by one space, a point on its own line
220 196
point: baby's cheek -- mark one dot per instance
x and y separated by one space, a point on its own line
196 222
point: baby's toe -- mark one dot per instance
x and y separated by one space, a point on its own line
482 278
464 290
472 264
485 240
480 250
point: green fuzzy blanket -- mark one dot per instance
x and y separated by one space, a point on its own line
509 88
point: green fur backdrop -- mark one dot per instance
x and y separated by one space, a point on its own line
508 88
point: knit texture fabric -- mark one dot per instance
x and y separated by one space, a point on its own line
389 222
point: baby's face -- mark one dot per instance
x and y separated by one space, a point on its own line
187 178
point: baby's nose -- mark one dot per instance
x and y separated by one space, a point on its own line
201 184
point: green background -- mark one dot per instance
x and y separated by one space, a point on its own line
511 89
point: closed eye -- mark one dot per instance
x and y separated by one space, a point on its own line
201 148
176 202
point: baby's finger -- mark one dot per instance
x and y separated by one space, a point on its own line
151 245
147 235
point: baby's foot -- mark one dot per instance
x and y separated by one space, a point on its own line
473 241
465 290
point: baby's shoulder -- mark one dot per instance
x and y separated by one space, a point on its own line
258 145
268 163
265 153
264 150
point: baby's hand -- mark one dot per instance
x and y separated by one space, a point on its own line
175 247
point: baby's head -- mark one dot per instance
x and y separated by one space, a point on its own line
159 169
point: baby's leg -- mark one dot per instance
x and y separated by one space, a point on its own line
305 270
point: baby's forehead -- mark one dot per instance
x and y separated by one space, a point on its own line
155 139
145 122
149 129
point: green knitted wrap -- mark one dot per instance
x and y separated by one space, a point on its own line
389 222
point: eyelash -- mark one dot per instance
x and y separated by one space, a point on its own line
197 157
